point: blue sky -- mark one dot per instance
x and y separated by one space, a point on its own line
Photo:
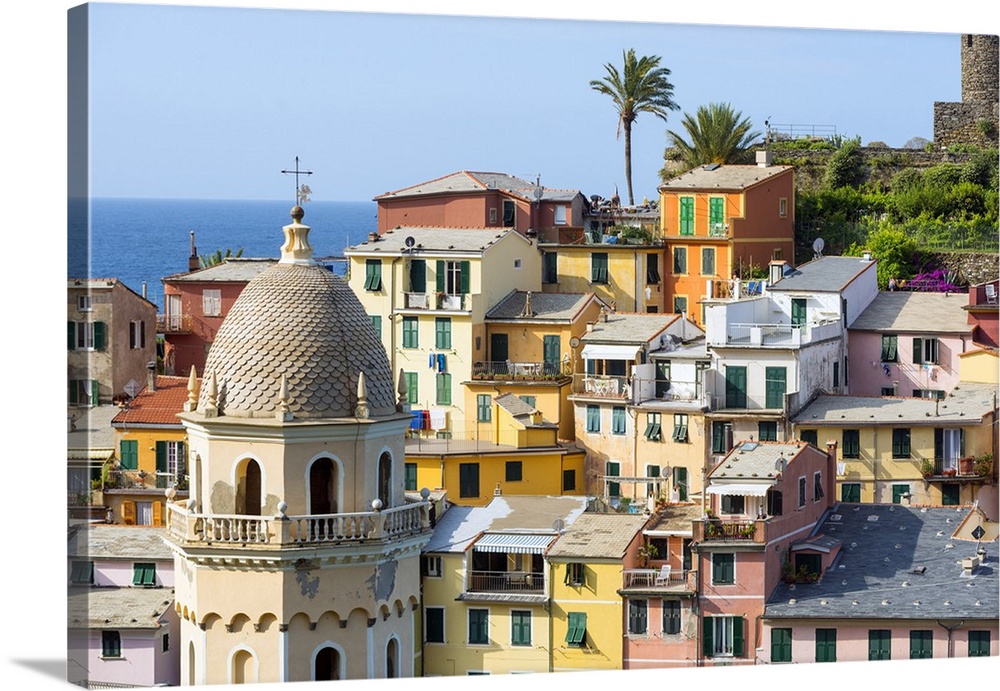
214 102
174 143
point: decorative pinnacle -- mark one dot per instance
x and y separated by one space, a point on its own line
296 249
361 411
192 400
283 413
211 408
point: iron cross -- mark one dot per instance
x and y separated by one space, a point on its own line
297 173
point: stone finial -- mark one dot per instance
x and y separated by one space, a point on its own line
211 407
296 249
361 411
284 413
192 402
403 402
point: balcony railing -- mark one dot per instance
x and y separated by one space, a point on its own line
296 531
431 301
779 335
719 530
506 582
125 479
601 386
174 323
530 371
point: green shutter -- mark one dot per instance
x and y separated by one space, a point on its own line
781 645
442 333
737 636
826 645
129 454
418 276
921 645
443 389
716 209
736 387
918 351
439 275
798 311
576 628
98 335
878 644
377 324
774 387
687 216
95 392
71 326
551 354
465 277
707 648
161 456
681 483
73 390
410 481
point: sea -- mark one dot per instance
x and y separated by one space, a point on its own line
141 241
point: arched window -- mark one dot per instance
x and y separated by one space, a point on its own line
323 487
243 668
327 665
392 659
191 677
385 480
248 490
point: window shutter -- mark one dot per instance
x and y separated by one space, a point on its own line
73 400
418 276
466 276
439 277
737 636
142 334
157 513
128 512
98 335
95 390
961 443
917 351
133 335
707 648
161 456
72 335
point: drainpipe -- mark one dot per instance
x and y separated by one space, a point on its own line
950 630
392 318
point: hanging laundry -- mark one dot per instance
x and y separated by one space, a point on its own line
442 363
417 419
430 360
885 368
426 420
438 419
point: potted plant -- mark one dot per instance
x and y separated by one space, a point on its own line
646 552
983 465
965 465
927 467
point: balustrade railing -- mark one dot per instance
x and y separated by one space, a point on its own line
505 582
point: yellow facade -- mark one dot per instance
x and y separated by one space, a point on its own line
877 472
599 600
550 398
627 277
979 366
126 488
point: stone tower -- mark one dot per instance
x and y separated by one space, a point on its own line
297 553
974 120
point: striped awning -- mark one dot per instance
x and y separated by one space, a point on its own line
516 544
739 490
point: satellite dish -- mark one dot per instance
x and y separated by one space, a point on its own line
409 241
558 525
132 388
818 245
538 193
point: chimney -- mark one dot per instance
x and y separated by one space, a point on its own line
776 271
831 472
763 159
151 375
193 258
497 491
373 237
866 256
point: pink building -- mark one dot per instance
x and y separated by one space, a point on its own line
466 199
983 313
763 496
123 629
907 344
895 582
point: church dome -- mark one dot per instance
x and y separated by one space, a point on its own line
297 320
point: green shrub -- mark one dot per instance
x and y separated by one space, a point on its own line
942 176
846 167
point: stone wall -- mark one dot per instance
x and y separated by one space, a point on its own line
972 268
975 119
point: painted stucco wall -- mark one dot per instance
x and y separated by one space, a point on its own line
868 376
143 662
599 600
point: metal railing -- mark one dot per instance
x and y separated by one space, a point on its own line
505 582
296 531
531 371
780 335
601 386
716 530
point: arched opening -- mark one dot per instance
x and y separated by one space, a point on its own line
190 670
392 659
248 489
243 672
385 480
327 665
323 487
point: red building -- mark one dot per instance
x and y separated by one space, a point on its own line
983 312
468 199
195 303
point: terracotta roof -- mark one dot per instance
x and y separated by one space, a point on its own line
159 407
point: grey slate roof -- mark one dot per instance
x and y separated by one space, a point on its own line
92 429
117 608
873 576
238 270
894 311
100 541
428 239
303 322
725 177
755 461
544 306
514 404
823 275
471 181
461 525
676 519
966 404
598 535
629 327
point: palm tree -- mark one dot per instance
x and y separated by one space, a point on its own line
218 257
718 134
641 87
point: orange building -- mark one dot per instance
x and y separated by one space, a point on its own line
724 220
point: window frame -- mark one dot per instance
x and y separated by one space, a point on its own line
638 616
442 333
373 275
818 491
111 644
685 215
826 643
707 268
468 483
890 348
513 471
850 443
724 569
593 421
654 427
652 268
411 332
781 645
523 622
679 264
442 385
144 574
670 615
680 433
901 442
767 430
211 302
484 407
576 629
82 572
85 303
599 268
428 622
482 626
619 422
410 477
576 574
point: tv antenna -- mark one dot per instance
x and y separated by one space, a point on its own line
302 192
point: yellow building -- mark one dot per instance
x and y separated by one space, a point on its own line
586 572
427 292
297 552
151 453
979 365
628 277
532 353
486 591
522 456
916 450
